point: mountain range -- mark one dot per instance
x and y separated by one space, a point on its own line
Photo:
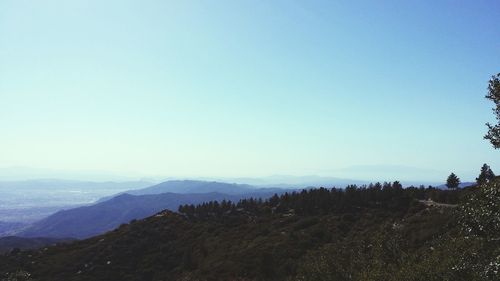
87 221
322 234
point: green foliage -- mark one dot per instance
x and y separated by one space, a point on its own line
480 221
380 232
390 196
453 181
403 250
480 214
493 134
486 175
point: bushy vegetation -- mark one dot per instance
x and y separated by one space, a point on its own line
486 175
480 221
467 249
388 196
374 232
493 94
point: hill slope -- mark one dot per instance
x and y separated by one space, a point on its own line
194 186
378 234
91 220
9 243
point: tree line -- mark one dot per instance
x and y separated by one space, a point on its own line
485 176
320 201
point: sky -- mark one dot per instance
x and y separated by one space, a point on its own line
248 88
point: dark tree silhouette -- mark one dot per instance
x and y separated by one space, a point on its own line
493 134
453 181
397 185
486 175
319 201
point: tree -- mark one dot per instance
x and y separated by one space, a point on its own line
493 134
485 176
453 181
480 223
397 185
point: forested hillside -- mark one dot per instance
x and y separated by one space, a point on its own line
381 232
84 222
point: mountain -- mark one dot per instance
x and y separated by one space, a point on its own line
8 228
354 234
9 243
31 200
405 174
194 186
288 181
199 186
91 220
461 185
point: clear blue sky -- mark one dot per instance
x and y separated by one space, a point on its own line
247 88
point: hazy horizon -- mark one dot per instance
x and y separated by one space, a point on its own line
360 173
248 88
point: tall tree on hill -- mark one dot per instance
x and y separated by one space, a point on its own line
453 181
486 175
397 185
493 134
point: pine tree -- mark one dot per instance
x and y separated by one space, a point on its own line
453 181
397 185
486 175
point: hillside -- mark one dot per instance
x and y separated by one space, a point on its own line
8 228
313 235
195 186
84 222
28 201
198 186
9 243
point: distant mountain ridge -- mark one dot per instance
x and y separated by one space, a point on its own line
91 220
332 233
461 185
198 186
106 215
8 228
194 186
